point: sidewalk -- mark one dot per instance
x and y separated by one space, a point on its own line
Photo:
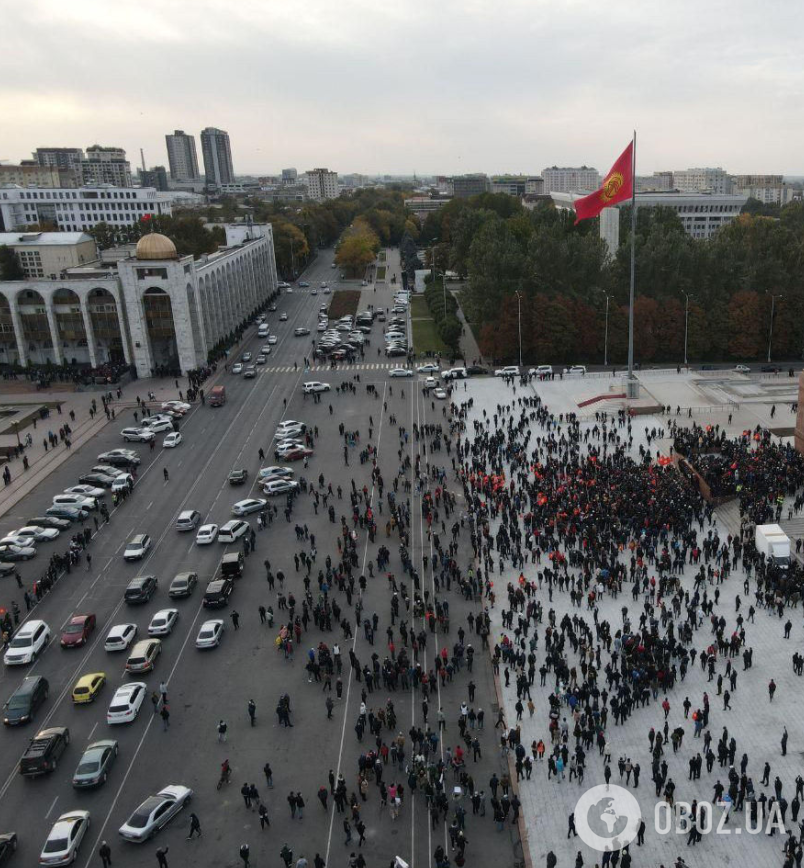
469 347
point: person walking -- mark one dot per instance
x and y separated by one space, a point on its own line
222 731
161 857
195 826
252 711
244 854
165 715
235 616
784 742
263 812
287 855
105 852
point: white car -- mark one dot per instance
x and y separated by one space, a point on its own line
237 368
13 539
541 370
27 643
251 504
429 368
122 481
272 339
322 326
86 491
430 383
64 840
126 703
440 394
178 406
283 317
742 369
577 369
279 486
289 423
327 290
274 472
507 371
313 292
207 534
210 634
138 435
120 637
158 425
76 500
290 434
400 372
163 622
34 532
137 548
172 440
155 813
232 531
315 386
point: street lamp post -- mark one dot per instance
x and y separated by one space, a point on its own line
687 296
606 333
519 322
770 331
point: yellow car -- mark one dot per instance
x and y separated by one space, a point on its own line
88 687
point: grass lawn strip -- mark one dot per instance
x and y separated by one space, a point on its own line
344 301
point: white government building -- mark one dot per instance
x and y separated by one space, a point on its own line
152 309
701 214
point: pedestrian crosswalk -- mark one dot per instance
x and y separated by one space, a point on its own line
289 369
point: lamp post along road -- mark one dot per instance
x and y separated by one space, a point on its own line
686 323
519 323
606 333
770 331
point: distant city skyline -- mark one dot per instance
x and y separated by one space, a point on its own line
484 87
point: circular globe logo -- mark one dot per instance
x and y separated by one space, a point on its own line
607 818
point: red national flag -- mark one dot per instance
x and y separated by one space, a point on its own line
618 186
145 218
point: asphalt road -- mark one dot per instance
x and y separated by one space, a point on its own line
207 686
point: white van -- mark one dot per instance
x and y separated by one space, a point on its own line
262 331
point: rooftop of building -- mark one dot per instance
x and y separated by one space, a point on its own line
61 239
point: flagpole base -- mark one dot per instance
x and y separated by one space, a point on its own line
631 388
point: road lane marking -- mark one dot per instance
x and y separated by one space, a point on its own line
50 809
92 731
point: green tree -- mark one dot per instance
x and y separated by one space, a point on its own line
10 268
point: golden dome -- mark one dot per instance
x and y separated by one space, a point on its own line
156 246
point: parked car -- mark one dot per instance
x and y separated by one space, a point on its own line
207 534
155 813
23 703
141 589
163 622
64 840
171 440
95 763
183 585
232 531
42 754
188 519
27 643
126 703
76 633
120 637
238 476
137 548
88 687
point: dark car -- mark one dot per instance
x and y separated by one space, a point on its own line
25 700
69 512
183 585
77 631
233 564
44 751
49 521
99 479
8 844
119 458
238 476
476 370
7 569
16 553
140 590
217 593
770 369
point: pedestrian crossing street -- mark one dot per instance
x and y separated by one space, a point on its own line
289 369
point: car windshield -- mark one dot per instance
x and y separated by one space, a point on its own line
179 583
18 702
139 819
74 628
21 642
55 845
207 634
87 767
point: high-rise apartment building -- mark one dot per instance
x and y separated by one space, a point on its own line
217 155
566 179
322 184
182 157
105 166
289 176
702 180
30 175
67 161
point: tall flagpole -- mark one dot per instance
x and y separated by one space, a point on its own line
632 387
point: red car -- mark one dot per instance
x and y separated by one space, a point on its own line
77 631
297 454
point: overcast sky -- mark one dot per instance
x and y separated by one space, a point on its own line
435 86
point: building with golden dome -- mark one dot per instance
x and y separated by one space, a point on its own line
153 309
